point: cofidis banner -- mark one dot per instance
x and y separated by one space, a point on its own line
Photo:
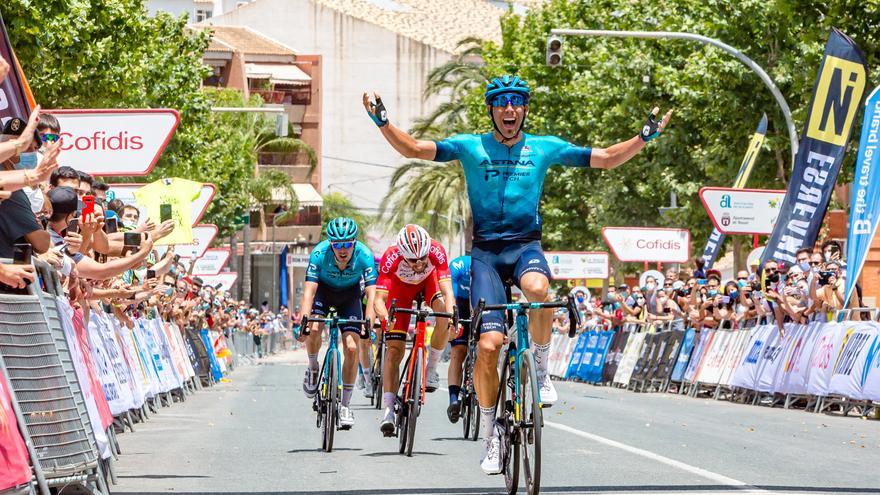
716 238
863 214
837 96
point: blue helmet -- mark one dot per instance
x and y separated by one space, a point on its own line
506 84
342 229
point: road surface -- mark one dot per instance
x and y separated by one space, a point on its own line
257 434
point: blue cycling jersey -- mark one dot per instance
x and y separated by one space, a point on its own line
460 271
323 269
505 184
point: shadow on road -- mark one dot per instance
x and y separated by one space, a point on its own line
163 476
386 454
300 451
549 489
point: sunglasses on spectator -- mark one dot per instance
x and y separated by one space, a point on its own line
49 137
771 270
504 99
342 245
815 263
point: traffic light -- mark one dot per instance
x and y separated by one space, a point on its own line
554 51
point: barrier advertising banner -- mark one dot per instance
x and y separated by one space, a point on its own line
742 211
846 375
115 142
648 244
823 358
837 96
863 212
716 238
567 265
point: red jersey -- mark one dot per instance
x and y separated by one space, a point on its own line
391 267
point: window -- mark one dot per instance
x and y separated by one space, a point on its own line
202 15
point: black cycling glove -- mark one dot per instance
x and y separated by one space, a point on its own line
651 129
377 113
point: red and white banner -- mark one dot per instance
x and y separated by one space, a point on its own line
742 211
125 193
203 235
115 141
211 263
225 279
648 244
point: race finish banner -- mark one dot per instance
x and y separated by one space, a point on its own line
863 212
716 238
115 142
742 211
16 99
837 97
568 265
648 244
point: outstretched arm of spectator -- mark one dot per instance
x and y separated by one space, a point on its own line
89 268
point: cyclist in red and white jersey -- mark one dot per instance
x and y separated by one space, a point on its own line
416 264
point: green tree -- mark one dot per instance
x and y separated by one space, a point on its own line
339 205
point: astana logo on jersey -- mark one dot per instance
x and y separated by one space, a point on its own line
506 168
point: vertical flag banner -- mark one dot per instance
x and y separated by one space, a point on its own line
837 96
716 239
16 99
863 212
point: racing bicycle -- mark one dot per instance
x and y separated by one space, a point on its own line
327 400
519 419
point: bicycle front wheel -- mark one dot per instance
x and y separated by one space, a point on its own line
506 429
331 401
377 377
414 399
532 422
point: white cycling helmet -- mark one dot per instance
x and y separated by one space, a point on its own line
413 242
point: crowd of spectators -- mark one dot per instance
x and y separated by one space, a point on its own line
811 289
105 253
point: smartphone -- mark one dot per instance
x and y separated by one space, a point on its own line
111 226
151 274
88 206
73 226
824 277
725 299
164 212
132 239
21 255
701 281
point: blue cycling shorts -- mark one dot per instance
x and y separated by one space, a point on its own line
464 312
498 262
346 301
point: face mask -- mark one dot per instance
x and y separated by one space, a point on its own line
36 198
28 160
734 294
580 299
713 293
651 286
169 292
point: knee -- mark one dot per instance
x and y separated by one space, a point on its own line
536 288
488 349
351 348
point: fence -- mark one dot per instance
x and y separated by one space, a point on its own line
833 366
70 384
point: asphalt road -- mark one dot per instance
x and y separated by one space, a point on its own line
257 434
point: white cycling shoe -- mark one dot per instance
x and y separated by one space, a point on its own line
368 388
491 461
346 417
547 391
310 383
432 380
387 425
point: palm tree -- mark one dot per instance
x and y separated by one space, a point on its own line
430 194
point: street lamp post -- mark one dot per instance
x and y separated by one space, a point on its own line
783 105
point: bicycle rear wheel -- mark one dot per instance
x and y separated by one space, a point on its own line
474 409
466 413
414 399
330 402
403 407
376 400
530 431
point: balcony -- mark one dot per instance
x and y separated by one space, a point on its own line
298 95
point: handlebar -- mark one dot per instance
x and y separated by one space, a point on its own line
574 316
424 313
304 323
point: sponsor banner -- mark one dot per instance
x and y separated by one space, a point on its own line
117 391
225 279
742 211
198 207
823 357
629 358
684 355
796 367
846 375
703 345
297 260
735 354
16 99
648 244
864 211
568 265
713 360
716 238
211 263
203 235
615 353
871 374
115 142
837 96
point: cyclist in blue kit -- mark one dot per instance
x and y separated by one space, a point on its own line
337 267
460 273
505 171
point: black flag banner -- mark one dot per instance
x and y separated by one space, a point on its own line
837 97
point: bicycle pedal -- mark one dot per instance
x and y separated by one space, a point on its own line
343 427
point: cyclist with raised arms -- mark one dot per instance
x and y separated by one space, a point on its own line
337 266
505 170
415 264
460 272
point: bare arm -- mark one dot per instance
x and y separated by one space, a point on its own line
400 140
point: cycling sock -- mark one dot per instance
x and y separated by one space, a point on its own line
434 358
388 399
313 361
542 351
454 390
347 389
487 421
